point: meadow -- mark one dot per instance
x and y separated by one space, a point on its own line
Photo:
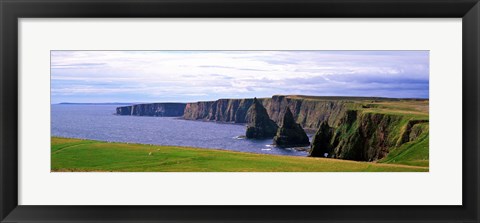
78 155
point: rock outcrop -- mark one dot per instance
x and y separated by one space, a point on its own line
366 136
290 134
260 126
321 146
154 109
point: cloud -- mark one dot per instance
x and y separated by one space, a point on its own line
209 75
76 65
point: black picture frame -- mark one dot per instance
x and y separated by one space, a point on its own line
12 10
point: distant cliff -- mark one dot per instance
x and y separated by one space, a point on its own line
154 109
307 112
224 110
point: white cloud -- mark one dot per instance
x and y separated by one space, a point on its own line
227 73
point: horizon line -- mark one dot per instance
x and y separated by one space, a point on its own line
109 102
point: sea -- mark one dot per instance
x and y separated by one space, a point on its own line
99 122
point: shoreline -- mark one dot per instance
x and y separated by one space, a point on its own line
192 147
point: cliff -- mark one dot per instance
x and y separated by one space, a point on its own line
154 109
368 136
308 112
223 110
354 128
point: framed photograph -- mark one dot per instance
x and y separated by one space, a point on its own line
228 111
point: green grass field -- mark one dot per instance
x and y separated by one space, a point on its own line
87 155
410 153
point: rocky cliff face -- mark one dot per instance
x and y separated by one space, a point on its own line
223 110
126 110
154 109
366 136
307 112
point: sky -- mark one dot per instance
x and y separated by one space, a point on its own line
189 76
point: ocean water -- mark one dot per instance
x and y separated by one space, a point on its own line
98 122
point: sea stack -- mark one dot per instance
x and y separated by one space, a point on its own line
260 126
321 146
290 134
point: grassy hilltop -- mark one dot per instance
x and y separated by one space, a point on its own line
89 155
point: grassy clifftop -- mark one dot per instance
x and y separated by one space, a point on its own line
411 134
89 155
394 131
